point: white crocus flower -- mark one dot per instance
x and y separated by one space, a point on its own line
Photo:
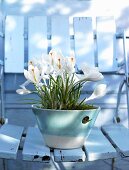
59 66
33 74
49 70
99 91
57 62
54 69
70 65
23 89
44 64
53 56
53 53
34 61
90 73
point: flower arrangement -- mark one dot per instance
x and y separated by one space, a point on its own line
58 85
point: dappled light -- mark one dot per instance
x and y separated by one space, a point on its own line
46 7
26 8
56 40
84 51
29 5
105 27
106 116
73 8
10 27
123 19
8 139
31 2
106 43
85 43
39 41
111 100
106 57
60 7
10 24
11 1
93 143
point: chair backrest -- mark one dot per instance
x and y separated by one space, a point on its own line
98 51
60 36
37 36
106 44
84 40
96 47
14 44
41 36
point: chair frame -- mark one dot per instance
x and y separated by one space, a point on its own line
125 82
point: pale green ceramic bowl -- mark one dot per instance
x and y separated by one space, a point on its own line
65 129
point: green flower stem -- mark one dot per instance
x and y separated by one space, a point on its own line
61 93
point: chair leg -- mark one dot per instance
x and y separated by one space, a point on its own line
113 164
116 117
127 97
2 94
5 164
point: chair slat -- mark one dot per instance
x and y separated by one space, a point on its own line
60 36
14 44
73 155
37 36
119 135
34 147
84 40
106 42
98 147
10 136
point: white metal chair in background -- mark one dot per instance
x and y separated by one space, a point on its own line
96 46
84 41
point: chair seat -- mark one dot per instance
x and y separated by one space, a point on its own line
10 137
112 143
118 136
96 147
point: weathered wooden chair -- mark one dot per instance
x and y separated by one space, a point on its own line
43 33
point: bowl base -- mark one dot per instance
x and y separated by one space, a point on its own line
64 142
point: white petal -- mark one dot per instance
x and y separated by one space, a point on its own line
100 90
94 76
80 76
30 67
49 69
85 68
25 84
31 76
23 91
37 74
